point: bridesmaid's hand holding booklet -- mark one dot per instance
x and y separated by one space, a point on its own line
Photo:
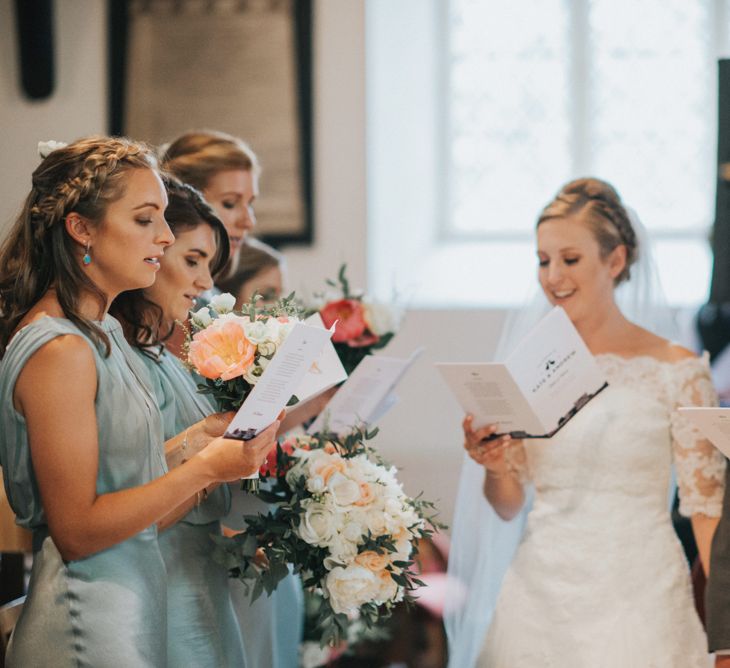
279 382
544 382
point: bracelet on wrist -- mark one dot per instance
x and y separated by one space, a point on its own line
184 446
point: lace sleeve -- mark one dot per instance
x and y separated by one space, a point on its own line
699 465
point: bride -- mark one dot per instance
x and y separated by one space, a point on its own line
599 578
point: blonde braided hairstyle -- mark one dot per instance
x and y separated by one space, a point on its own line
84 177
598 204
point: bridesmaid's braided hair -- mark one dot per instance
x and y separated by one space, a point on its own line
83 177
600 206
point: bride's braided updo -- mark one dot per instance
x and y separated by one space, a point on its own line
84 177
597 203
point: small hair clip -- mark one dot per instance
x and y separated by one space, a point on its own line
47 147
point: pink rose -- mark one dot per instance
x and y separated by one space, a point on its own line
221 351
351 317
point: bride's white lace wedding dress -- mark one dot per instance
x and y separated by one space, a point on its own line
600 579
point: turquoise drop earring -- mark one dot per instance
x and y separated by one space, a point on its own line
87 257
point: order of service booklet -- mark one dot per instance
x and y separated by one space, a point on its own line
366 396
714 423
543 383
326 371
280 380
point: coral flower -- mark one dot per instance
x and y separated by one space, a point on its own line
351 317
221 351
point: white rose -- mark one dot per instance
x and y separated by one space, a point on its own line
344 491
317 525
311 655
256 331
349 588
355 528
201 317
380 318
273 329
298 470
377 522
393 506
223 303
342 552
315 485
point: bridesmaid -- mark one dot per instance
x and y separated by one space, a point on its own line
260 271
202 627
226 171
80 444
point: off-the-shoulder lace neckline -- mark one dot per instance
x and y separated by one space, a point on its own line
650 358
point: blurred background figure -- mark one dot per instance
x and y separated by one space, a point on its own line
261 270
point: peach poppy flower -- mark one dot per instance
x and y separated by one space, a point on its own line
221 351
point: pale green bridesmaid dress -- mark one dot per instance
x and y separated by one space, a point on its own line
202 629
108 609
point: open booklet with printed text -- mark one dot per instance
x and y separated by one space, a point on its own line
544 382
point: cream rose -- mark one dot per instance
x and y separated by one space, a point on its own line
389 589
372 561
342 552
349 588
256 332
344 492
381 318
202 317
355 527
223 303
317 525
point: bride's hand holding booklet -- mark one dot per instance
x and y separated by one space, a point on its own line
543 383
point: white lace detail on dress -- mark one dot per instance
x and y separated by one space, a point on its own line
599 529
699 465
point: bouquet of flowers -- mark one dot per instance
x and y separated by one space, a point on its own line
231 350
363 325
342 519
